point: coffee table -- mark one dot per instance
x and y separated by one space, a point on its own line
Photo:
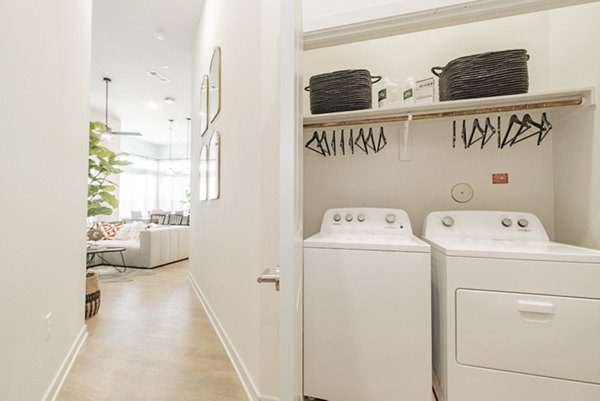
92 254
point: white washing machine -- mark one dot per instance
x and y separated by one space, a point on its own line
515 316
367 309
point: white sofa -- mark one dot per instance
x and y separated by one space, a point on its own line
155 247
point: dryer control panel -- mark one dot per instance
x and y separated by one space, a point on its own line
367 221
493 225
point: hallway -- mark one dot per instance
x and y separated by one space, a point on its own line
152 341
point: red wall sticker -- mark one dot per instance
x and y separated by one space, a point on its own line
500 178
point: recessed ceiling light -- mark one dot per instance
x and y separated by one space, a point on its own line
152 105
169 100
160 35
164 67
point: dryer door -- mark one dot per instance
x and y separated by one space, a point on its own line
548 336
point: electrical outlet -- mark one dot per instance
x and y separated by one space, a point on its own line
47 326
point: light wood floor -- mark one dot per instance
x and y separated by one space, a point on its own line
152 341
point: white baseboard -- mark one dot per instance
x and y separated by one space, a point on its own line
247 382
268 398
65 367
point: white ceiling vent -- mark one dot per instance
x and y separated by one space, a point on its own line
158 76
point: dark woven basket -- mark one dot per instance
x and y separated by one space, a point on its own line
341 91
92 295
484 75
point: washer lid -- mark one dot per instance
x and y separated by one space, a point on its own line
511 249
370 242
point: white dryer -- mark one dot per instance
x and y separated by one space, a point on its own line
367 309
516 317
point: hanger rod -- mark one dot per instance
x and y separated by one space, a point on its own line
448 114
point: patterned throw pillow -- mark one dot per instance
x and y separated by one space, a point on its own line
109 230
94 234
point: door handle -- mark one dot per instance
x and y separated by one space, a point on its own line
545 308
268 277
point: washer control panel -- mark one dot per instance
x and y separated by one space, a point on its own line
485 225
367 220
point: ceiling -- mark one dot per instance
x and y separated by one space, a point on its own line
124 48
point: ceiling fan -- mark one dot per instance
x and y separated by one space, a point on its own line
108 130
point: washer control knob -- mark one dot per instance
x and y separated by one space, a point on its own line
337 217
506 222
523 223
390 218
448 221
348 217
361 217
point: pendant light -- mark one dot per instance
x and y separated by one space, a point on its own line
108 132
171 169
187 146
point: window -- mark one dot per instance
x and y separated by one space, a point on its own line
138 186
148 184
174 185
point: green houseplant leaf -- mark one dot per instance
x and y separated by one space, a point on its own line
102 164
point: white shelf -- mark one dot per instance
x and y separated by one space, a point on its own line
478 10
563 99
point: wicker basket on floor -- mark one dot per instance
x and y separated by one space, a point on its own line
92 295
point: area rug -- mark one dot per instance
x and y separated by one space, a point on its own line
108 274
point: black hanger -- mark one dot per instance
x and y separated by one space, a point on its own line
499 131
548 127
323 140
317 147
342 143
531 123
361 138
477 127
513 120
382 139
333 144
489 127
453 134
351 140
525 126
370 140
463 134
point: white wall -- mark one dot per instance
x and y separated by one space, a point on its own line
235 238
423 184
44 110
575 62
319 14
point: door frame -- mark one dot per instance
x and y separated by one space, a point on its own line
291 198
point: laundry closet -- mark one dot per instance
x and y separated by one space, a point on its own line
557 179
487 182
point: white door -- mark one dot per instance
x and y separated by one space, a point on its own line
290 229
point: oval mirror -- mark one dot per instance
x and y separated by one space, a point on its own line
203 171
204 105
214 166
215 84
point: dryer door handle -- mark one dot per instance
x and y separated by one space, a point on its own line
546 308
